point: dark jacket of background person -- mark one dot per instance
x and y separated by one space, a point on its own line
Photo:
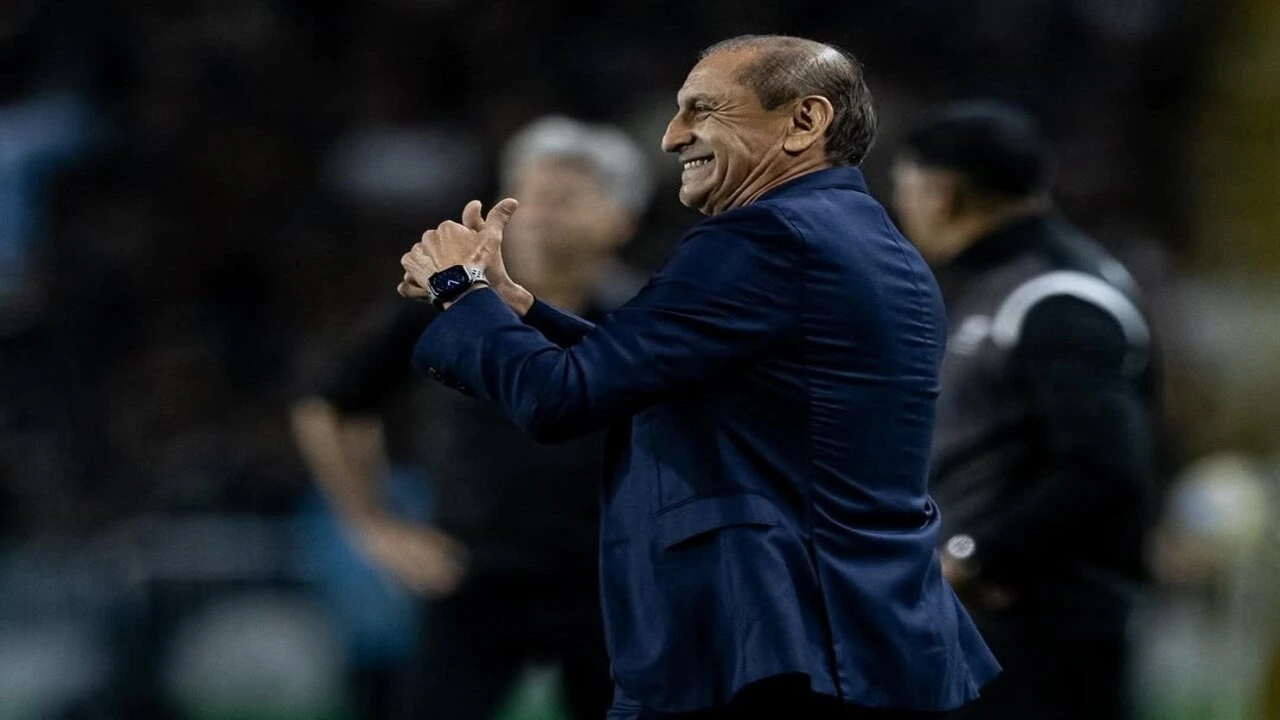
1043 458
526 518
520 510
1043 450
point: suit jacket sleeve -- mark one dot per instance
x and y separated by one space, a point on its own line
729 292
1097 434
560 327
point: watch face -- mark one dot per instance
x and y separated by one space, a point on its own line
449 281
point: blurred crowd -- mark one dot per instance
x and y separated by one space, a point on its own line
198 200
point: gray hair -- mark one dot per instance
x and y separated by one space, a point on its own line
623 169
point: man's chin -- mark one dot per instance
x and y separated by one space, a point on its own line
693 198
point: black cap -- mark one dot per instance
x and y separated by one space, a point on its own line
997 147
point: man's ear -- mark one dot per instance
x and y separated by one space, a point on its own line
810 118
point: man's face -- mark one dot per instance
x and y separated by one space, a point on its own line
565 218
727 142
922 200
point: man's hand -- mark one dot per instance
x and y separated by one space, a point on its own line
476 242
425 559
515 296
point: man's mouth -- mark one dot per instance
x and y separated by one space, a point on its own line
692 163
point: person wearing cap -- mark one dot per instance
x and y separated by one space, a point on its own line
1043 452
508 562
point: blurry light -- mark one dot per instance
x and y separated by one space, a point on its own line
405 168
1220 503
47 668
266 652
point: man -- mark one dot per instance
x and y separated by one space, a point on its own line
767 541
1043 449
510 562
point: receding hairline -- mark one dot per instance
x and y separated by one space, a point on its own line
764 46
767 43
804 54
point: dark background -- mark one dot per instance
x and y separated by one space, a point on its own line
199 199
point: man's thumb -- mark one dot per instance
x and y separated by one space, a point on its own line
499 214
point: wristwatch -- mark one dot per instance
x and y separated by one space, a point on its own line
449 284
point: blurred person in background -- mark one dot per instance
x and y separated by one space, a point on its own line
1043 454
1203 644
509 561
768 544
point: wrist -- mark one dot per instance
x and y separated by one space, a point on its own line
447 286
514 296
519 300
478 285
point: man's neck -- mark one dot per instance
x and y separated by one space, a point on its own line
766 178
796 171
971 229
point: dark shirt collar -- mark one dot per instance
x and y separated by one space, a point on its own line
1002 243
847 177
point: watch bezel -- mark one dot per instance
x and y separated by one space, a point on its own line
467 277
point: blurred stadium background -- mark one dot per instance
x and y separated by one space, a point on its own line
197 199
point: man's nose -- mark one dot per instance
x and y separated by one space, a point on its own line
677 136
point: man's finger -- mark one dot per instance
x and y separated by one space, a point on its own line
422 256
415 259
411 291
501 213
471 216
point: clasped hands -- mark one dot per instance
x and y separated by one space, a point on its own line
475 242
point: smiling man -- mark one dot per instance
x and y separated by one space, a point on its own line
767 539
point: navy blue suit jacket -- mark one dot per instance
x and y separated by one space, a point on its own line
770 395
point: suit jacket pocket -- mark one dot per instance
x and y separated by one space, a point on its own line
703 514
